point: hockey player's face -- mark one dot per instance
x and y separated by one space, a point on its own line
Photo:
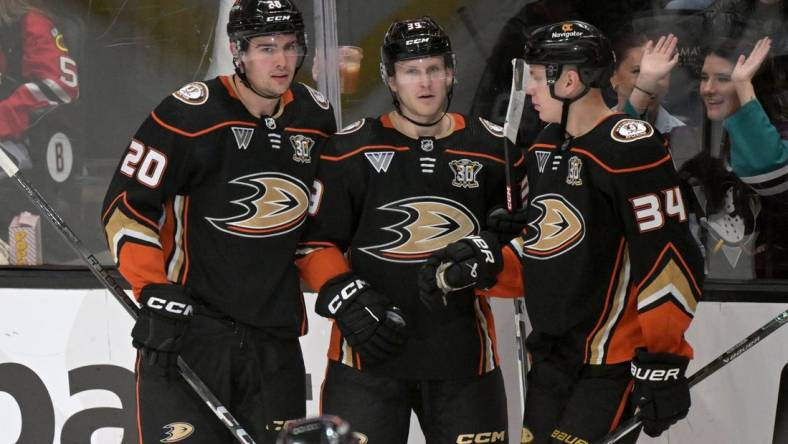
549 109
717 89
270 62
422 86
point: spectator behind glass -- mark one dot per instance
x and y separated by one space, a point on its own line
37 75
641 80
729 209
759 152
36 72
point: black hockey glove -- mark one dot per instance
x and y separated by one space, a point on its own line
471 261
366 318
162 321
661 391
506 225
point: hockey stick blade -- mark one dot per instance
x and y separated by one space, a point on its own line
708 370
202 390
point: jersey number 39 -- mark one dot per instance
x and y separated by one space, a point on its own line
649 210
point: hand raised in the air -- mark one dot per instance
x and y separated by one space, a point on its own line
747 66
658 60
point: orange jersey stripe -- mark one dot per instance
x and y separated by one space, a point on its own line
185 239
321 265
608 296
306 130
201 132
363 148
621 170
541 145
510 279
141 265
621 406
473 154
167 231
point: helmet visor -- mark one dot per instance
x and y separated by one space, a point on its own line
420 70
272 47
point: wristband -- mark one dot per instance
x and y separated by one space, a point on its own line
650 94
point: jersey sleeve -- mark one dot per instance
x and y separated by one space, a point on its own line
333 217
666 268
49 77
134 213
759 155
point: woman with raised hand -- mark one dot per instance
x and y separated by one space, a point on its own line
759 153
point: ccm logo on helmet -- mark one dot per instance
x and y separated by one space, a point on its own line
417 41
278 18
347 292
178 308
645 374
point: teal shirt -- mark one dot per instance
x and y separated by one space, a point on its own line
756 146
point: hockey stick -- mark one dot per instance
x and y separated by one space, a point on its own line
112 285
511 127
721 361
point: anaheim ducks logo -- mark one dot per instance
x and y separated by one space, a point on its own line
557 229
177 431
277 206
430 224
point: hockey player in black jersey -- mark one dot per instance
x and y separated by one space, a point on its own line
610 273
203 217
391 191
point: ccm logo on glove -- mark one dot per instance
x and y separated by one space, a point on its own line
646 374
347 292
171 306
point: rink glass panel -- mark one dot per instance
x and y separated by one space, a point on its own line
130 55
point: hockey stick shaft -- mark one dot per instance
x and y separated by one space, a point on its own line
708 370
120 295
511 127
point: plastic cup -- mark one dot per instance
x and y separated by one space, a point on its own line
349 68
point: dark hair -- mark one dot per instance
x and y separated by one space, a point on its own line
727 48
767 82
626 42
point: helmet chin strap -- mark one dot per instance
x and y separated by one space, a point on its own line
241 73
567 102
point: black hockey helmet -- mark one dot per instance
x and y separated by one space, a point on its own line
414 39
571 43
250 18
324 429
